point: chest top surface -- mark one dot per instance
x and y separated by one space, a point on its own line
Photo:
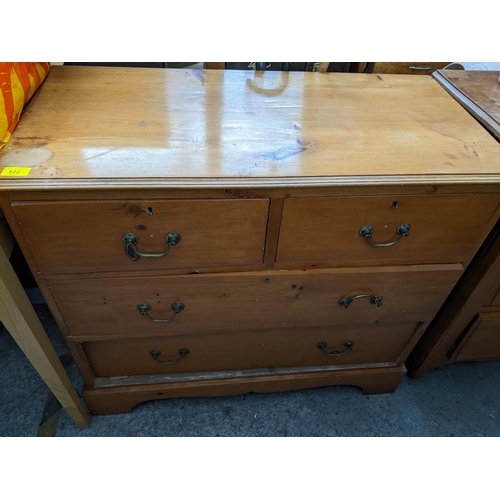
102 127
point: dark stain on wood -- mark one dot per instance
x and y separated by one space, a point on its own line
240 194
132 210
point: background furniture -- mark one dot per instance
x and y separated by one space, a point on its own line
135 64
342 67
201 233
468 326
408 68
478 92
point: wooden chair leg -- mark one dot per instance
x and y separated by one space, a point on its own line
20 320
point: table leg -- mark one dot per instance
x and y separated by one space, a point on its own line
20 320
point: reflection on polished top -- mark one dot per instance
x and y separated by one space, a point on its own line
166 127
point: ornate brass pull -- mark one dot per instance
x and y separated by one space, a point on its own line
177 307
130 241
182 353
402 230
322 347
374 299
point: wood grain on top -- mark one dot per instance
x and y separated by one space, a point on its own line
91 126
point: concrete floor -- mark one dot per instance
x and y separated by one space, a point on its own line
458 400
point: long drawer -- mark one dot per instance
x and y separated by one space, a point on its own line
91 236
346 345
249 301
432 228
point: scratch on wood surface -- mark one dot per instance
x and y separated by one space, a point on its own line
287 151
32 141
199 75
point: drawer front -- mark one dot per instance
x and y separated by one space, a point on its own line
409 68
483 341
442 228
248 301
496 299
71 237
278 348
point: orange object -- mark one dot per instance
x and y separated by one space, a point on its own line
18 83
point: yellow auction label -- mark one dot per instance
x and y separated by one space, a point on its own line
15 171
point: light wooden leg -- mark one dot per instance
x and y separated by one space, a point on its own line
21 321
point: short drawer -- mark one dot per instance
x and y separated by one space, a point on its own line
440 228
74 237
250 301
349 345
482 341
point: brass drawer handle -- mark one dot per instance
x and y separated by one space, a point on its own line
426 68
177 307
374 299
322 347
130 241
182 352
402 230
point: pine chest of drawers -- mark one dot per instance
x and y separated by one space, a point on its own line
467 328
204 233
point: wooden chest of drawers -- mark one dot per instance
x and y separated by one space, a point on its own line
467 328
196 237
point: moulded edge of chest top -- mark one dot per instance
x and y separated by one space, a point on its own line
222 192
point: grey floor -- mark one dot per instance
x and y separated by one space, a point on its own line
457 400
